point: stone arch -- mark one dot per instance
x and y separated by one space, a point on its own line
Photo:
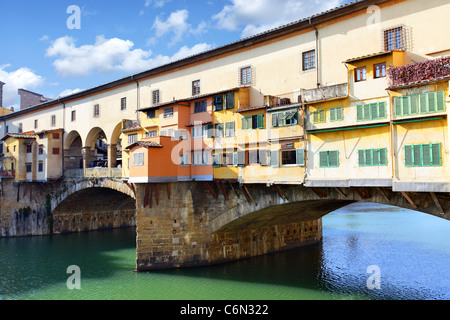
73 155
95 147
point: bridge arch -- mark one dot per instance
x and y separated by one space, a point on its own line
73 151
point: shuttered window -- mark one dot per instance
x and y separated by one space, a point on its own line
241 158
319 116
372 157
419 103
253 122
423 155
337 114
138 159
371 111
300 157
274 158
229 129
329 159
286 118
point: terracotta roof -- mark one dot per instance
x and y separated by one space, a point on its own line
145 144
250 108
132 129
373 55
19 136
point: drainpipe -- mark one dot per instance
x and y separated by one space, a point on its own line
137 96
62 138
317 53
392 131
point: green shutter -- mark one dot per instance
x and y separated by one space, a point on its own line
301 157
426 151
432 102
274 158
408 156
423 99
405 103
316 116
323 159
333 116
334 158
436 154
440 101
361 159
368 157
263 157
417 154
366 112
376 157
260 121
235 159
359 112
383 157
398 106
322 115
340 113
382 110
414 104
373 111
244 123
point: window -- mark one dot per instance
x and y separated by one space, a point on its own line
36 124
151 114
195 87
229 101
219 131
372 157
29 148
288 157
218 103
155 97
257 157
123 104
309 60
41 166
53 120
96 110
319 116
28 167
41 149
371 111
74 116
337 114
229 130
138 159
419 103
245 75
329 159
170 132
150 134
132 138
423 155
253 122
286 118
168 113
185 159
201 158
379 70
200 106
55 136
229 159
20 128
393 39
55 151
360 74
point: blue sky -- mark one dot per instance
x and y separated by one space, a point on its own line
119 38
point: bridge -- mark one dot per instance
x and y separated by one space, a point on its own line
192 223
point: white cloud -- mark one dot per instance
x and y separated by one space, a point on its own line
176 24
108 56
22 78
68 92
251 17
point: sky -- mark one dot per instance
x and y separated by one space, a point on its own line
60 47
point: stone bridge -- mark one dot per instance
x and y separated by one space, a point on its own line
190 223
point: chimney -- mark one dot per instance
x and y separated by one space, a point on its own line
1 94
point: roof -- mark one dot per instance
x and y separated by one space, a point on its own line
245 109
369 56
273 34
19 136
145 144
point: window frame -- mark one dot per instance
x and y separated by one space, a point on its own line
338 113
309 60
168 113
382 70
96 111
200 106
156 97
138 159
414 161
392 44
363 160
361 74
328 158
245 76
196 87
318 115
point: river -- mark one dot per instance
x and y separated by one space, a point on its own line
368 252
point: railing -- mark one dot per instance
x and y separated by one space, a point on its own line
130 124
94 173
325 93
8 173
417 72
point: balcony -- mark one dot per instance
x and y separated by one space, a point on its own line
130 125
417 73
7 173
333 92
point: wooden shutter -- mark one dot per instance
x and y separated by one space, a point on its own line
300 157
426 151
323 159
417 155
361 158
414 104
373 111
359 112
322 115
366 112
436 154
245 123
382 114
316 116
440 101
333 115
405 106
376 157
383 157
235 159
263 157
398 106
334 158
274 120
368 155
423 98
241 158
432 102
340 113
274 158
408 156
260 121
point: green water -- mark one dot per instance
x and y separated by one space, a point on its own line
411 250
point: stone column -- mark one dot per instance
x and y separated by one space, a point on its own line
86 152
112 156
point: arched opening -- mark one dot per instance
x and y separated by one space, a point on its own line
73 155
96 149
94 209
115 147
